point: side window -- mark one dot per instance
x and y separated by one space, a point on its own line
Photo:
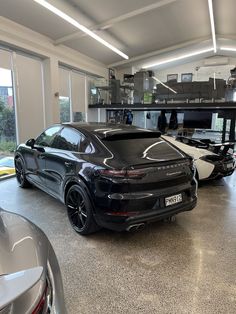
46 138
68 140
85 146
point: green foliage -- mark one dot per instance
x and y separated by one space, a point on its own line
64 109
7 118
7 146
7 127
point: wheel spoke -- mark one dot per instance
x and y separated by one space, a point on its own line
82 204
83 214
77 209
81 219
70 206
19 171
73 200
74 213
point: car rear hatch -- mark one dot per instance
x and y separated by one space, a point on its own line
146 173
150 163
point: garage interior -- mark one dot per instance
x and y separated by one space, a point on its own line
51 71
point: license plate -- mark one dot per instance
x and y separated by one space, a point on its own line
174 199
229 166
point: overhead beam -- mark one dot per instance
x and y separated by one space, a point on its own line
161 51
109 23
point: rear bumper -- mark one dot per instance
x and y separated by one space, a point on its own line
121 223
222 170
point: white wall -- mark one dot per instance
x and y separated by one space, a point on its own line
199 70
17 37
120 73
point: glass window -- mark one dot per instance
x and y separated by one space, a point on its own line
68 140
85 146
133 145
64 103
72 140
7 113
46 138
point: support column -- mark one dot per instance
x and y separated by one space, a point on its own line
51 91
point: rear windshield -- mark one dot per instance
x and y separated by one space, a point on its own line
142 148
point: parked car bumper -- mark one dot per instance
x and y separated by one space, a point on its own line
222 169
121 223
126 212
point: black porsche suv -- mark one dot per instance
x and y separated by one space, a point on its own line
114 176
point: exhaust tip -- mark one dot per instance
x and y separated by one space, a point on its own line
135 227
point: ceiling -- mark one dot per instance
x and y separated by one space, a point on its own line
141 29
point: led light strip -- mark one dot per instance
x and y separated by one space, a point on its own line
155 78
213 32
228 49
188 55
84 29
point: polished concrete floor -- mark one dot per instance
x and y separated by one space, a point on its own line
188 266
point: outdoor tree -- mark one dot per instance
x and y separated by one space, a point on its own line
7 125
64 109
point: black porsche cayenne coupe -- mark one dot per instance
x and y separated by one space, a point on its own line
114 176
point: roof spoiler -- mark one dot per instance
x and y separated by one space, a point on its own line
12 286
132 135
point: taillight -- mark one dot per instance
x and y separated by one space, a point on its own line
45 302
123 174
41 305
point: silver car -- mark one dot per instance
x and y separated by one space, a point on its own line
30 278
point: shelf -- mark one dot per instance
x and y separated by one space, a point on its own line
214 106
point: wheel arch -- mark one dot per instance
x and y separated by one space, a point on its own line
76 181
19 155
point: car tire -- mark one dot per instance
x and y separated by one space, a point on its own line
80 210
20 173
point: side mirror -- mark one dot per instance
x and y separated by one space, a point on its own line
30 142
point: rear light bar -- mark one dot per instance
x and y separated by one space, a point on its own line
140 173
123 174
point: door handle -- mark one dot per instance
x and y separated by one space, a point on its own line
68 164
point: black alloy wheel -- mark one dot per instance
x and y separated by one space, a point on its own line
20 173
79 209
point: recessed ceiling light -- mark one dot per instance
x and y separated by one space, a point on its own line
185 56
213 32
84 29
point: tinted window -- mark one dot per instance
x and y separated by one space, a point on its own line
46 138
72 140
150 148
67 139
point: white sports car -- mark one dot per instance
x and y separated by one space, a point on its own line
209 165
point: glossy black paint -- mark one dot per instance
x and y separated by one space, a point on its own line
118 202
